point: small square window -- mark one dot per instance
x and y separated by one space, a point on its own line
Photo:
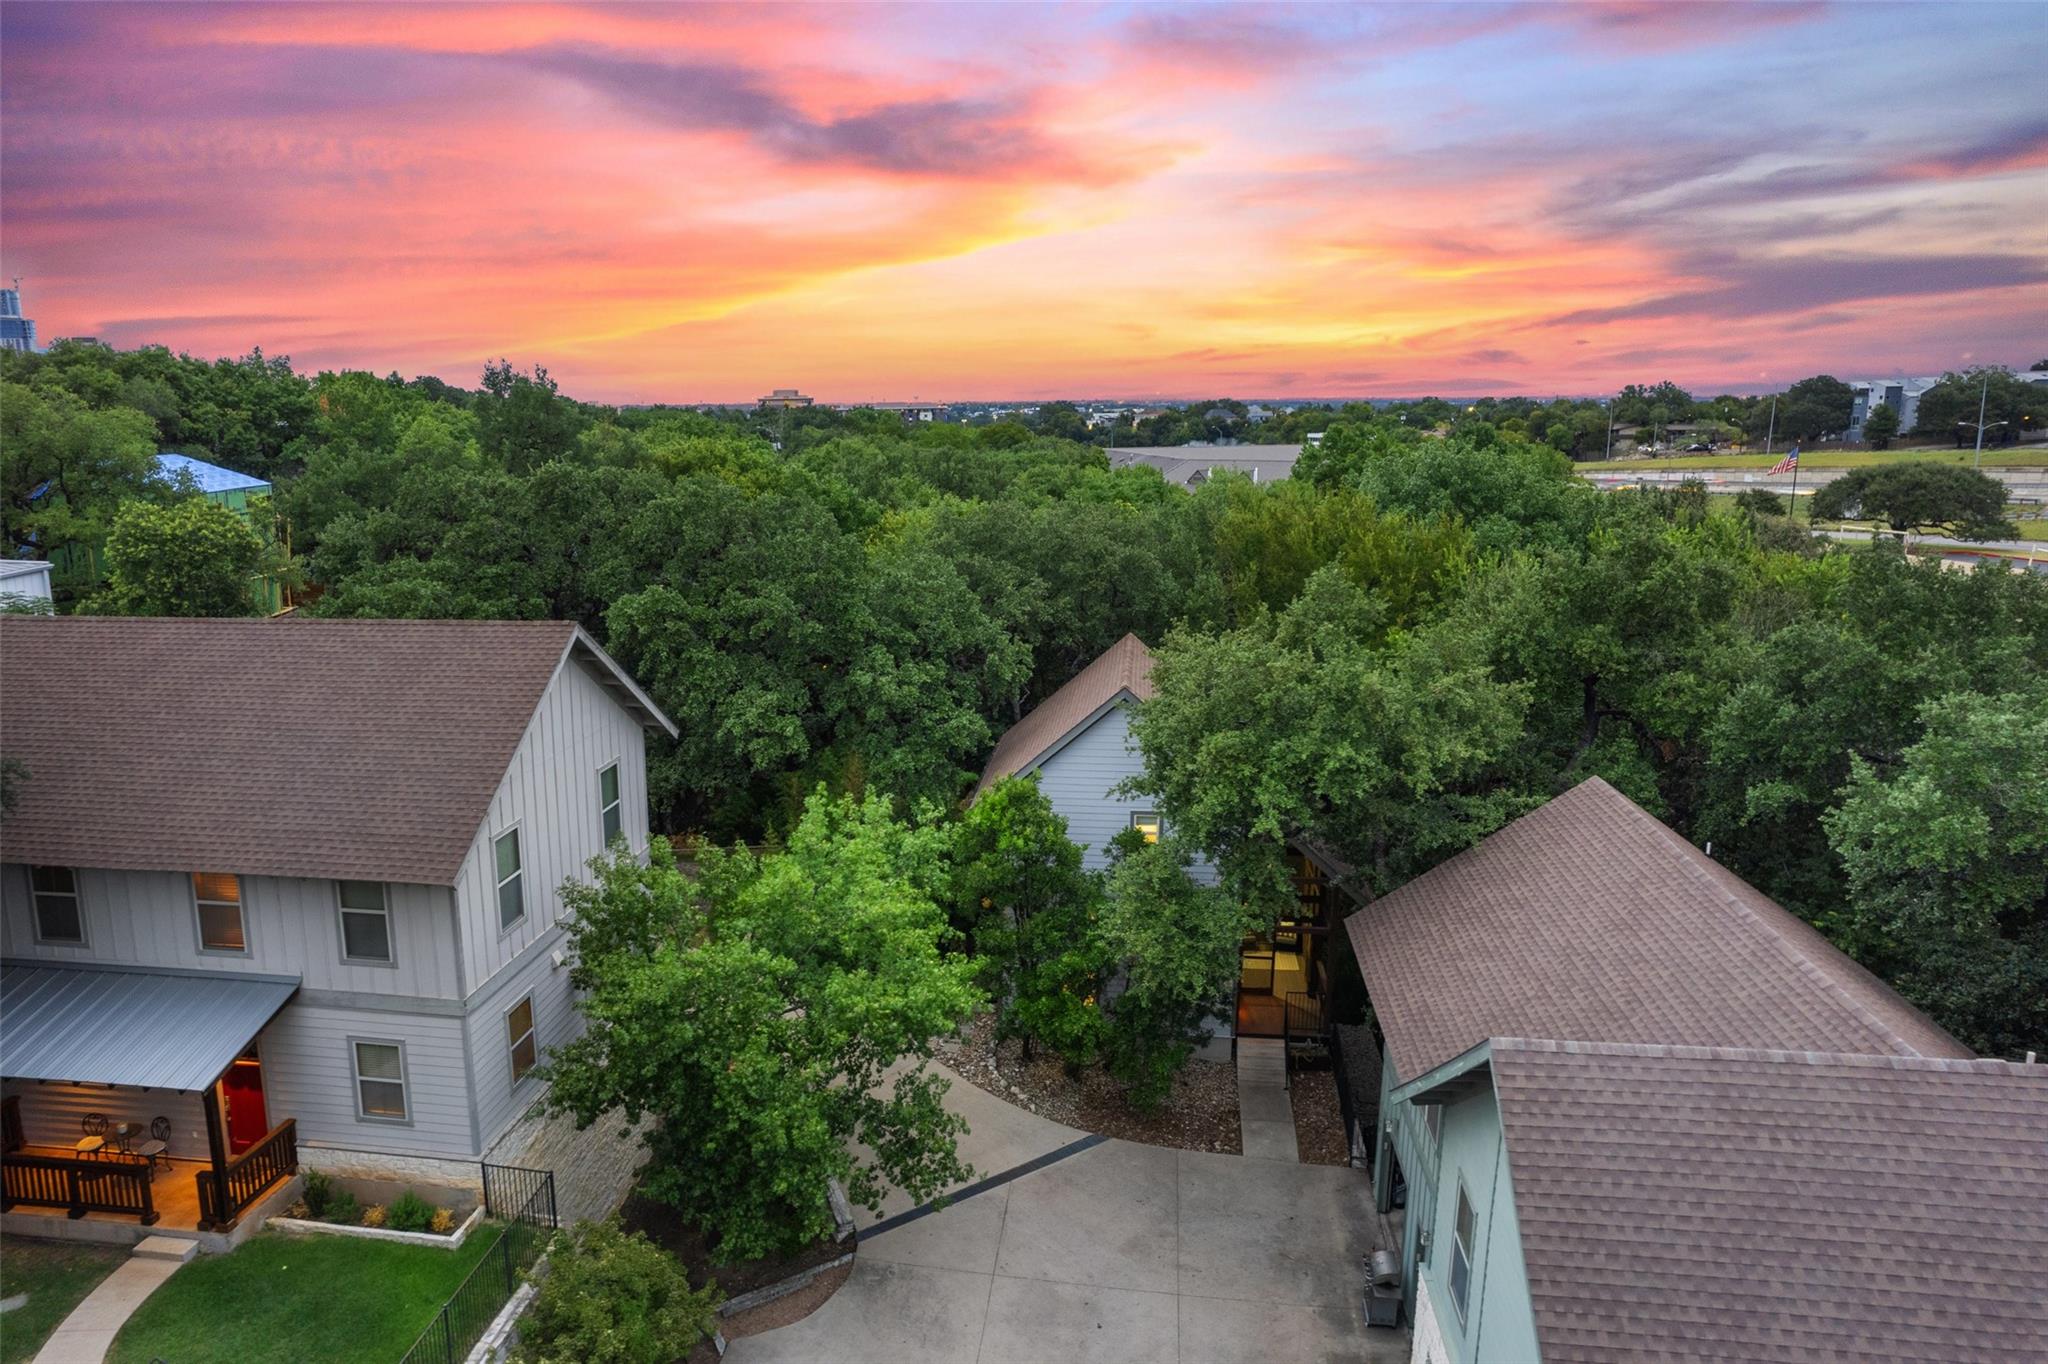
511 880
59 917
380 1079
610 808
365 921
218 898
1146 822
519 1036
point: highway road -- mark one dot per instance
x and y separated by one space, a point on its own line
2022 485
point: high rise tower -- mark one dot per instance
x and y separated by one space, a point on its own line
16 332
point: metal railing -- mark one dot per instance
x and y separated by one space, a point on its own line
112 1183
470 1309
249 1175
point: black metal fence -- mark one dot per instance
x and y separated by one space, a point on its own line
525 1201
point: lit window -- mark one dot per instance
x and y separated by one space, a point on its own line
218 896
1461 1252
58 916
608 803
365 922
511 883
380 1079
1146 822
519 1034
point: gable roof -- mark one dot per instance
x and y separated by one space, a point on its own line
289 747
1588 919
1686 1203
210 478
1124 671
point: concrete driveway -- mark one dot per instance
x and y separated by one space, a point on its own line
1117 1252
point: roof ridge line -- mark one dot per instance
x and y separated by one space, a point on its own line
1692 1052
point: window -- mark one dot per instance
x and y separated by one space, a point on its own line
1433 1123
365 922
511 884
58 916
218 896
380 1079
519 1035
609 806
1146 822
1461 1252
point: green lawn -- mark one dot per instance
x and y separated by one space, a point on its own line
2032 457
291 1298
56 1275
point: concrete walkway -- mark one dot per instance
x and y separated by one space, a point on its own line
87 1334
1264 1112
1120 1253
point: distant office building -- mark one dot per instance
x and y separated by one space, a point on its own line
16 332
785 397
1900 395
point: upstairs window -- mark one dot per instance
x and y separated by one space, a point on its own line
519 1036
610 807
1461 1252
59 918
380 1080
365 922
218 897
511 880
1146 822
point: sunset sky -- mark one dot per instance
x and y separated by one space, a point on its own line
1001 201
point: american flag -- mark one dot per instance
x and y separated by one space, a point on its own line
1785 465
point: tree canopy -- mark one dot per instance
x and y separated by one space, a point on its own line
1920 495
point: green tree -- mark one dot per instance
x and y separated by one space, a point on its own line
1034 917
613 1298
1947 863
752 1011
1919 495
64 468
1950 408
523 420
1176 943
1880 427
188 558
1816 407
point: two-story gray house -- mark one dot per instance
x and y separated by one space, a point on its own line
293 883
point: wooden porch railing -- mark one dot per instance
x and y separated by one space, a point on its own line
249 1176
111 1183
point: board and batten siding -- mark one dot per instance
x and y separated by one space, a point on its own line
499 1102
292 926
1498 1321
550 793
53 1114
308 1074
1080 781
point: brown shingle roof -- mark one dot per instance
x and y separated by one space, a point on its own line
1589 920
1125 667
288 747
1681 1203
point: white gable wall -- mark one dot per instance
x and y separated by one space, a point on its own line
1080 780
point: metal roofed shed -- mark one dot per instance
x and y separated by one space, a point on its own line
211 479
146 1029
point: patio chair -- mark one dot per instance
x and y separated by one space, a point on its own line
158 1147
95 1139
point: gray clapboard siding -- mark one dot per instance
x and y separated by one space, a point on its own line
500 1103
1080 780
293 928
308 1075
550 793
53 1114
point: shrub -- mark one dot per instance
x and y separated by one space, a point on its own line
319 1192
443 1223
410 1212
613 1298
343 1209
374 1215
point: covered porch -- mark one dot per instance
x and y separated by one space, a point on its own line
137 1097
1283 982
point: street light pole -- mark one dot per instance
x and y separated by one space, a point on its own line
1772 430
1982 394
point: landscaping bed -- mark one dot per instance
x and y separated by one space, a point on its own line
1200 1114
700 1261
280 1300
55 1276
1318 1119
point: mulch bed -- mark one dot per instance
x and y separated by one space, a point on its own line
689 1245
1200 1115
1318 1120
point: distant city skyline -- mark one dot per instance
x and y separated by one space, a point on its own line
1008 203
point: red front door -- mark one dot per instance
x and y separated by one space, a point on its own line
241 1092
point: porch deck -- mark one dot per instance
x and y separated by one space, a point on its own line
173 1192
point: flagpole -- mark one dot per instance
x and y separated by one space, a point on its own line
1773 429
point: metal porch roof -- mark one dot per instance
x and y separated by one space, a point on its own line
148 1029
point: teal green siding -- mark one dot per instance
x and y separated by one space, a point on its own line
1497 1323
1404 1132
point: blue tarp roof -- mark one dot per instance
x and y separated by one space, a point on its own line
155 1029
211 478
